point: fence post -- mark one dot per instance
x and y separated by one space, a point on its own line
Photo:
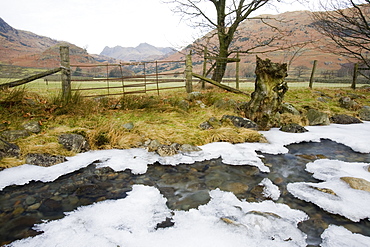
204 67
355 72
66 73
313 73
189 73
237 71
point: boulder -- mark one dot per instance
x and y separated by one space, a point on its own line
32 126
240 122
44 159
153 145
348 103
364 113
293 128
74 142
288 108
8 149
205 125
317 118
194 96
12 135
344 119
128 126
187 148
165 150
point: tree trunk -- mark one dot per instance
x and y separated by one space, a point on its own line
270 87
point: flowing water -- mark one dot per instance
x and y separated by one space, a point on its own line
184 186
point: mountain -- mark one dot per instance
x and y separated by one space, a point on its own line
23 48
142 52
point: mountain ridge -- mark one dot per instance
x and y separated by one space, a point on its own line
143 51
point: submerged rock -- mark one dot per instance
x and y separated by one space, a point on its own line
357 183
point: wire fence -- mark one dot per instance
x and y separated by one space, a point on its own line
97 80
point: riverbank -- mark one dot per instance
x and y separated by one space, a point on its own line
132 121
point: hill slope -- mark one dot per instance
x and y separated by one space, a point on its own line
297 27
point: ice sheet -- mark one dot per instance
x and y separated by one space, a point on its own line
224 221
335 236
346 201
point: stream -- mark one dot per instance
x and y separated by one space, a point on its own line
184 186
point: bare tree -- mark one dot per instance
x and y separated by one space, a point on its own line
224 17
347 25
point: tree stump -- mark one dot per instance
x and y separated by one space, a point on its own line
266 100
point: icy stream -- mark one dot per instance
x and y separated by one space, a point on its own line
226 195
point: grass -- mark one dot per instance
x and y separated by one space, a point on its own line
162 117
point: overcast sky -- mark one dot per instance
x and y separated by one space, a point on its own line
94 24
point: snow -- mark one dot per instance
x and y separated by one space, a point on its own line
343 201
270 190
335 236
132 222
224 220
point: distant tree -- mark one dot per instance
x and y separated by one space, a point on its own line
347 25
120 72
300 70
77 72
223 16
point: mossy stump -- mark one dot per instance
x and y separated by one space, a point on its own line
266 100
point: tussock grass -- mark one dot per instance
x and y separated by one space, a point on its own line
101 120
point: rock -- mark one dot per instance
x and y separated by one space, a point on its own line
288 108
200 104
344 119
12 135
153 145
357 183
8 149
240 122
317 118
165 150
205 125
187 148
74 142
194 96
293 128
322 99
225 104
236 187
128 126
364 113
44 160
348 103
214 122
183 105
32 126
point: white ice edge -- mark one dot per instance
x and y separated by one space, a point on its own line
131 222
335 236
356 136
348 202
